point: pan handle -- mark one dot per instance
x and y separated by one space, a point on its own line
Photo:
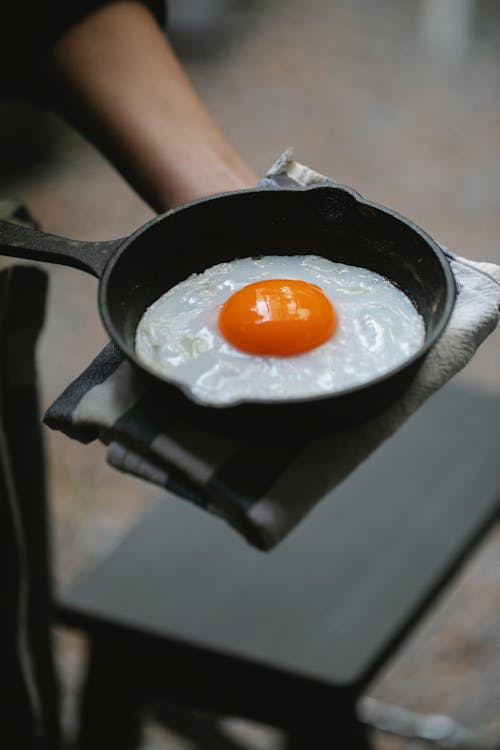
32 244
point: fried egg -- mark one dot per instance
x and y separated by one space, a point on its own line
278 327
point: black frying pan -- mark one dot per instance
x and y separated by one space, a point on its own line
332 221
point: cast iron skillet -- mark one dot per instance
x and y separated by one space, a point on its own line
332 221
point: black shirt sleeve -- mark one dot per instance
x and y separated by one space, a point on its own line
29 27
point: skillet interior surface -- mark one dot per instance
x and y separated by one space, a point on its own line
327 221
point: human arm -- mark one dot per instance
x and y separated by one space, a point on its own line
115 77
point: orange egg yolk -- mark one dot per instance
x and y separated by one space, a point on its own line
277 317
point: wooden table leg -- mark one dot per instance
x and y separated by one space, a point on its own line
109 708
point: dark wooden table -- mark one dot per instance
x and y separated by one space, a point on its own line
184 609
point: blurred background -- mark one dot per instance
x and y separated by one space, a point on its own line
396 98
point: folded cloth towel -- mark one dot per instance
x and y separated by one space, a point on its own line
260 493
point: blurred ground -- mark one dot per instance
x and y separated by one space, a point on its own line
398 99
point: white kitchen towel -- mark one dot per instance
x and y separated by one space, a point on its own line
262 493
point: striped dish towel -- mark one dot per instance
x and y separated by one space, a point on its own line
262 493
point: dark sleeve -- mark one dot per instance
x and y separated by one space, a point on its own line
29 27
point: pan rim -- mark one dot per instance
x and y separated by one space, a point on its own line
429 340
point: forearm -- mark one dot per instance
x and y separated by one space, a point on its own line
115 77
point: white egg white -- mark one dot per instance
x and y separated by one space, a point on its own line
178 336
